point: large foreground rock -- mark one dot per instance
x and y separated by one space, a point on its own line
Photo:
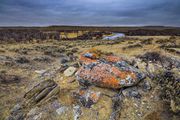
107 71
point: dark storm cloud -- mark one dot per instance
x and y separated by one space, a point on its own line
89 12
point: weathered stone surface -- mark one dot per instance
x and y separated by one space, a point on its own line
87 97
38 95
107 71
70 71
64 59
41 92
16 113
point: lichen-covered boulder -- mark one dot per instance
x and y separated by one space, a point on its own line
107 71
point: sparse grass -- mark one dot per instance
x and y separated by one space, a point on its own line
133 46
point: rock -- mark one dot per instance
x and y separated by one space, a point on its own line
70 71
146 86
61 110
64 60
16 113
33 106
77 112
33 114
107 71
41 72
87 97
42 92
131 92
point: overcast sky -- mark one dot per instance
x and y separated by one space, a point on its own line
89 12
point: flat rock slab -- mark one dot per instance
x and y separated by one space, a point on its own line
70 71
107 71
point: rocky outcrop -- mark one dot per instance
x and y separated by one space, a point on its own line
107 71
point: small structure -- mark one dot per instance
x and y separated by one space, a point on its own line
115 36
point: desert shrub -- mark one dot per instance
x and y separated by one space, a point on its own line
150 56
74 50
7 79
172 38
2 51
42 59
173 51
132 46
163 41
147 41
22 60
169 86
130 42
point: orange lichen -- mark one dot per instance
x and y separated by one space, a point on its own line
113 58
87 60
123 74
81 92
102 70
94 97
88 94
111 82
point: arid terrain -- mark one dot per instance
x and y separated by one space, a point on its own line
39 80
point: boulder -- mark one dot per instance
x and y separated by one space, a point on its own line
70 71
107 71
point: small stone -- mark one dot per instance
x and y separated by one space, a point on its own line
64 60
146 86
77 112
131 92
70 71
41 72
16 108
61 110
87 97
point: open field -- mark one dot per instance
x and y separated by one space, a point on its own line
23 65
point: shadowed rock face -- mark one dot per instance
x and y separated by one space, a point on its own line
107 71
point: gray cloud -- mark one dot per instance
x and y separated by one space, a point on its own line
89 12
